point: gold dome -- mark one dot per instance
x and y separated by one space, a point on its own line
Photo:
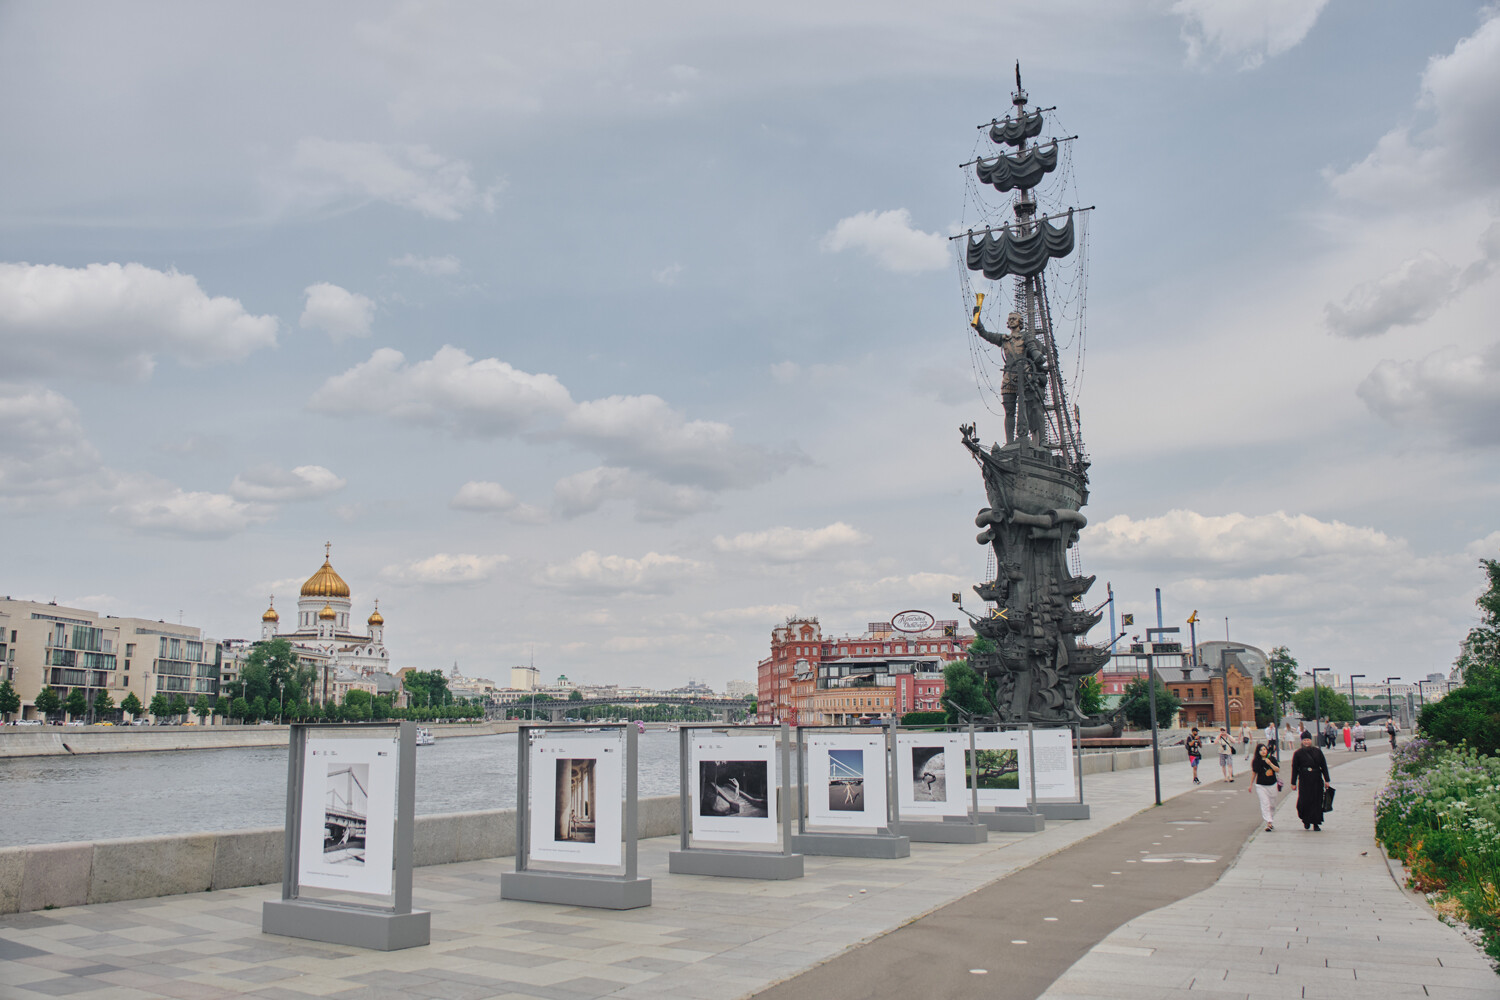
325 583
375 616
270 616
327 614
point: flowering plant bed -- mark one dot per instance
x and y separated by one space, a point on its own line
1440 815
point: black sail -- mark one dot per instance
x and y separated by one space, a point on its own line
1013 131
1025 170
1000 253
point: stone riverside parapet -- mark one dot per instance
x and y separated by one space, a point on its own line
54 741
37 876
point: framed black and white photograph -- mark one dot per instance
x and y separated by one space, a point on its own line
846 779
346 808
930 771
734 788
576 798
347 839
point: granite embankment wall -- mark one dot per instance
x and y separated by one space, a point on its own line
44 741
39 876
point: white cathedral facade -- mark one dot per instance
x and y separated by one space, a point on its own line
323 630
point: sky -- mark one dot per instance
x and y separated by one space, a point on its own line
609 336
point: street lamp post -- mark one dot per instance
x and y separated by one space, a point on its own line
1352 709
1421 701
1317 710
1151 698
1390 706
1224 652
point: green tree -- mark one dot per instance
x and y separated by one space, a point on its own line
1283 671
160 706
272 672
9 700
1091 696
48 703
1265 710
427 688
103 704
575 695
965 689
77 703
357 706
132 706
1471 713
1136 701
380 708
258 708
178 707
221 706
202 706
1332 703
239 709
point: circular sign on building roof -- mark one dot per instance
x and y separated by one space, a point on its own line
912 621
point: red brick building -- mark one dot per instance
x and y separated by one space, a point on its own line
810 679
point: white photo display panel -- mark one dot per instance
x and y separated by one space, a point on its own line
929 774
1055 778
733 782
846 780
1003 769
348 835
576 798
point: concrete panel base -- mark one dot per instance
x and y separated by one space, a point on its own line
735 864
602 892
945 833
1013 821
370 929
1064 810
852 845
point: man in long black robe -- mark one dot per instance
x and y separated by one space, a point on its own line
1309 775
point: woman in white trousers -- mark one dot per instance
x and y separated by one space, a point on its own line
1264 769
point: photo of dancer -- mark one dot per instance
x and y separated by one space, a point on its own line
732 788
929 774
573 806
846 780
346 808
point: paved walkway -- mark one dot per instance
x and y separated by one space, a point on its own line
705 939
1299 914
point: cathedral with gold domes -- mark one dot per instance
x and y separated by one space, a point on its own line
323 630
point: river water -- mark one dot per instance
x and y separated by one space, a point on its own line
48 800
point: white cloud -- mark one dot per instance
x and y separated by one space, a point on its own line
1234 540
885 595
1459 153
789 545
433 266
336 311
492 498
764 614
593 574
1409 295
890 238
1249 31
114 319
668 275
44 455
453 391
327 172
644 432
272 484
585 492
444 569
179 513
1453 391
653 454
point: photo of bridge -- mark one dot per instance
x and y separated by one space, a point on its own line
346 805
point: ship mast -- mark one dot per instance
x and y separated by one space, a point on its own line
1061 435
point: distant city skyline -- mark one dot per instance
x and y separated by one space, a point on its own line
608 338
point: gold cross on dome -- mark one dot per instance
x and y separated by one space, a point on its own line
327 548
